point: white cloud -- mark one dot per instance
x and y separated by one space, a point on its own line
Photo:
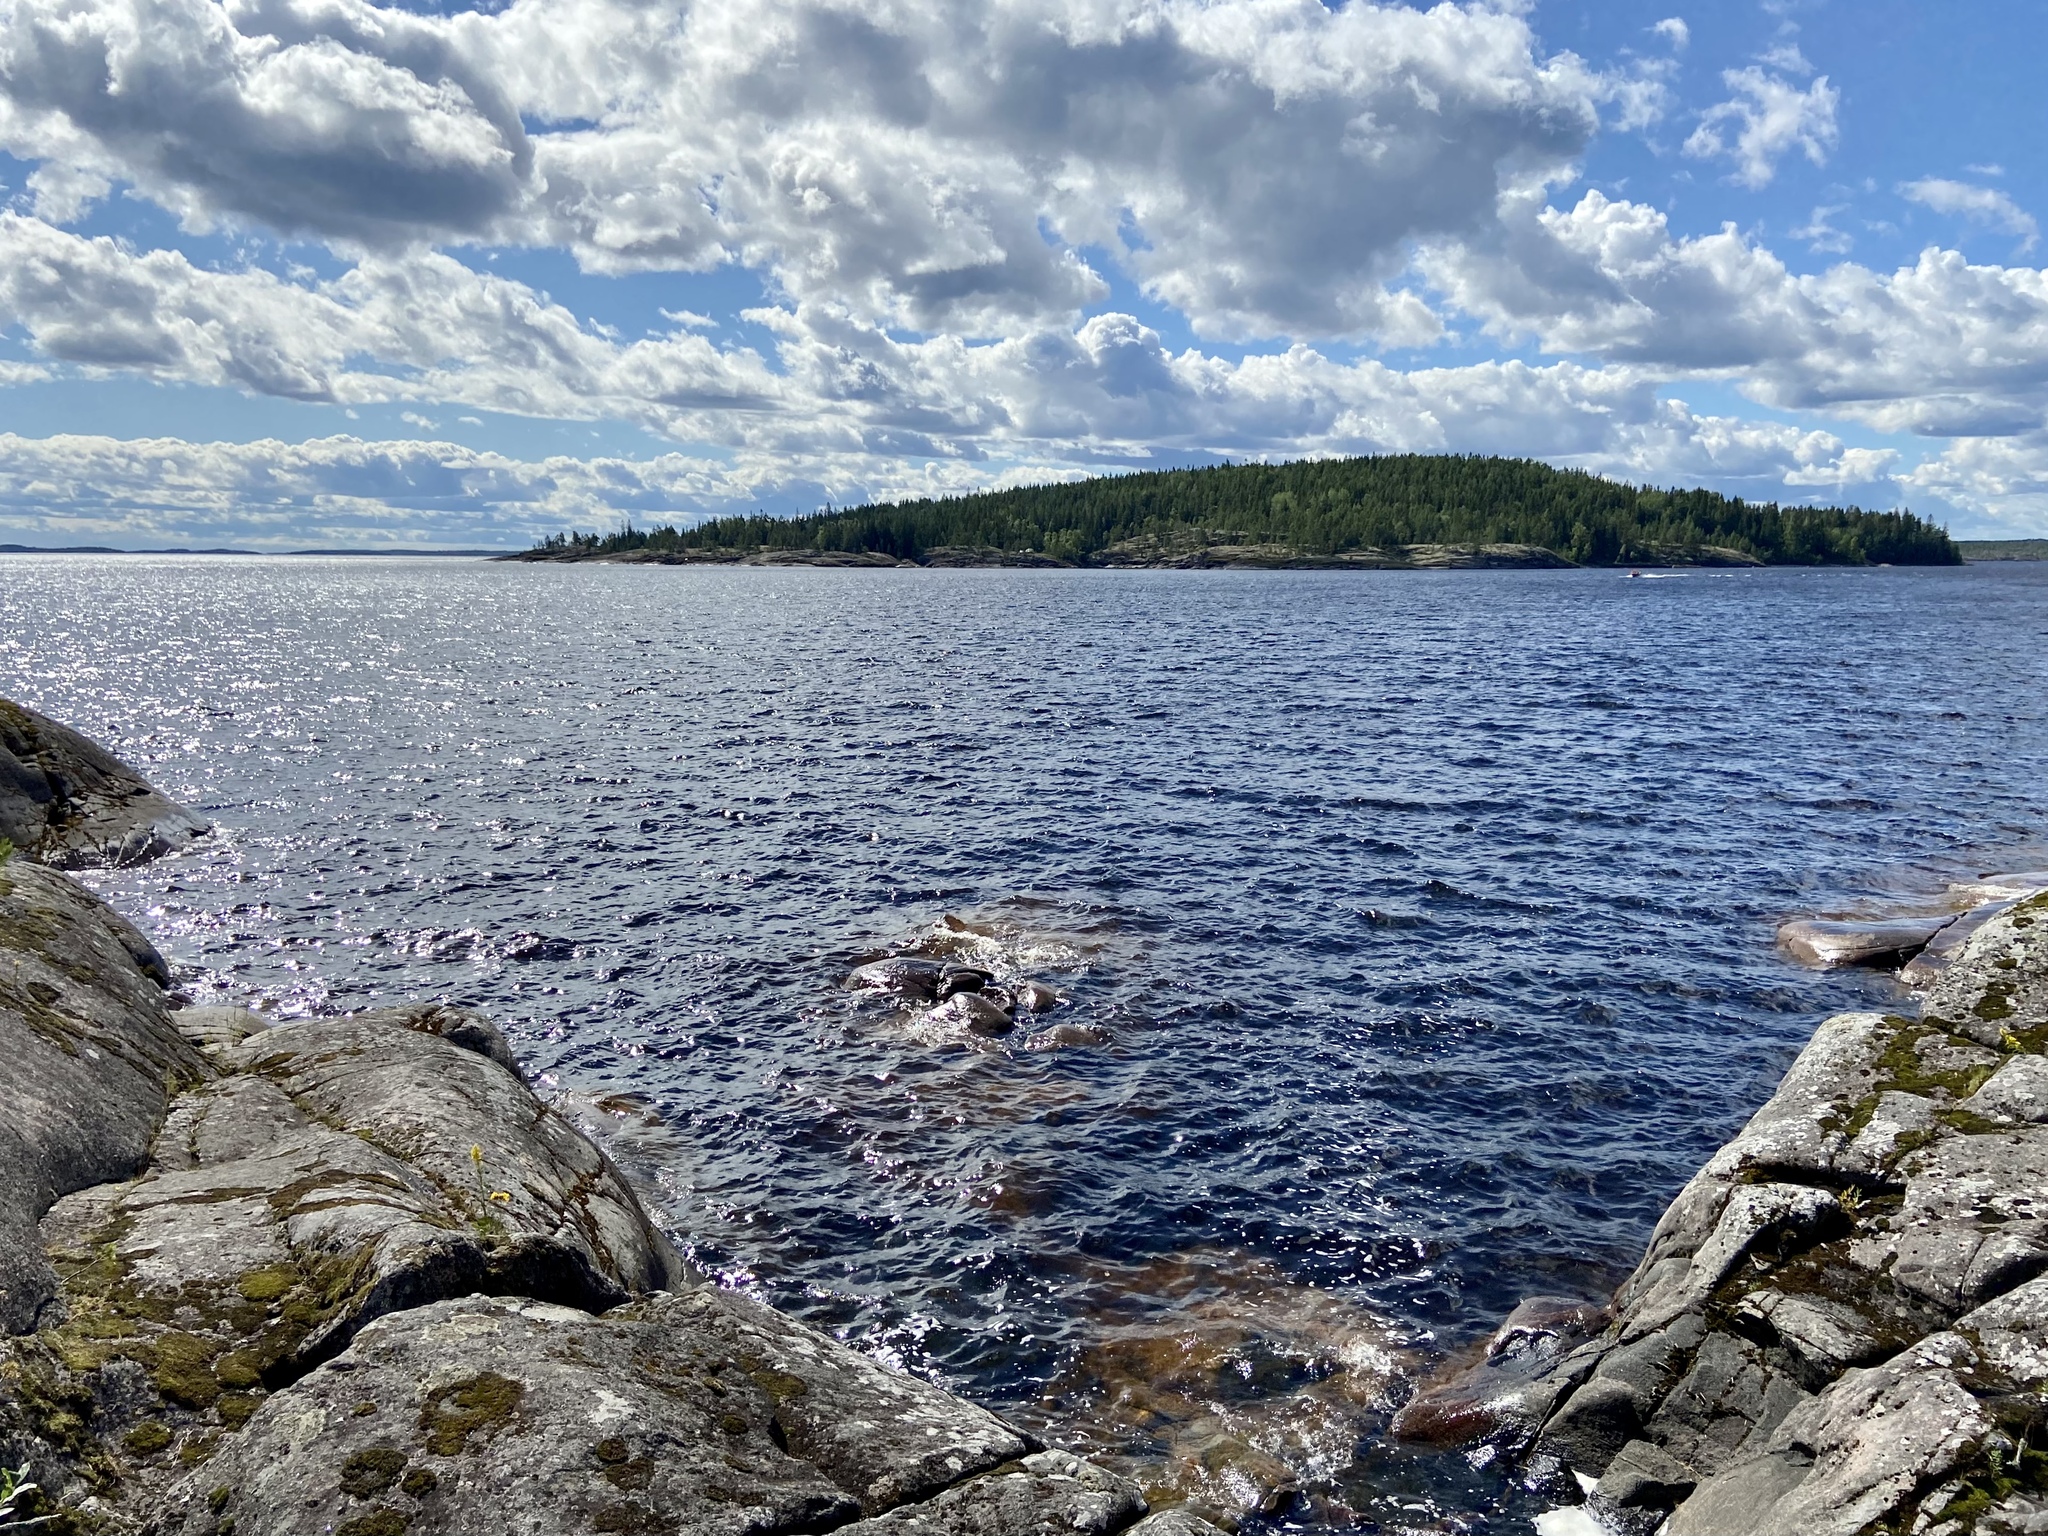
936 164
1980 205
1942 347
1819 231
1768 116
1066 406
1674 31
2002 480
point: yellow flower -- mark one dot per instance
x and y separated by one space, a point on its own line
503 1197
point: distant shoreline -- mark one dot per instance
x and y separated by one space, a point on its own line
273 554
1976 551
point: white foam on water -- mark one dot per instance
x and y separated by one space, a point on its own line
1573 1520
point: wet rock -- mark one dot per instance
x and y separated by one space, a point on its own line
1174 1522
904 976
93 1057
2002 888
67 801
1507 1393
1641 1485
1734 1395
963 978
1035 997
1060 1036
699 1412
1049 1494
969 1013
1594 1423
1885 943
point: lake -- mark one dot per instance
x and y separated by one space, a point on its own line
1415 928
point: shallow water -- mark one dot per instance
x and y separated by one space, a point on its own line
1428 917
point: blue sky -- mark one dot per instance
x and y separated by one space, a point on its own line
324 272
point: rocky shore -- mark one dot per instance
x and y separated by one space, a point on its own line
350 1275
1187 549
1841 1323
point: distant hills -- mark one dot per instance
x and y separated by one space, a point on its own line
2003 549
1398 510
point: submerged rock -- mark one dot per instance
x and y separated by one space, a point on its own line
67 801
971 1013
905 976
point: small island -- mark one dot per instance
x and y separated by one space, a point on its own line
1388 512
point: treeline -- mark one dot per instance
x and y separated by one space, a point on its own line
1329 507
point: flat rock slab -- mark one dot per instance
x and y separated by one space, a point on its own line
1814 941
67 801
678 1414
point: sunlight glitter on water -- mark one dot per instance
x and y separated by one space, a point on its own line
1425 921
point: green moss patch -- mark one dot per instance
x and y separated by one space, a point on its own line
371 1472
482 1404
147 1438
381 1521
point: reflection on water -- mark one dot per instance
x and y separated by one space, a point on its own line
1413 933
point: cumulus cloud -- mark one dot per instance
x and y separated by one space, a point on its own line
1980 205
2003 480
345 491
1942 347
1767 117
937 164
1674 31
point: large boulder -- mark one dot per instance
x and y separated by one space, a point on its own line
698 1412
333 1171
67 801
92 1056
1841 1323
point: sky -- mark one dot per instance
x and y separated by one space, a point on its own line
291 273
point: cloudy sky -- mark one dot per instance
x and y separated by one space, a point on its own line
291 272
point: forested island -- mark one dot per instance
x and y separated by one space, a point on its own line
1390 512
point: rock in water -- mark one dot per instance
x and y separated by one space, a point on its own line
1841 1323
906 976
67 801
351 1275
972 1013
1887 943
1035 997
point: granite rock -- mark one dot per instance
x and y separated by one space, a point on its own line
69 802
685 1413
93 1059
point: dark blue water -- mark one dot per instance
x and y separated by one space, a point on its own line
1428 917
